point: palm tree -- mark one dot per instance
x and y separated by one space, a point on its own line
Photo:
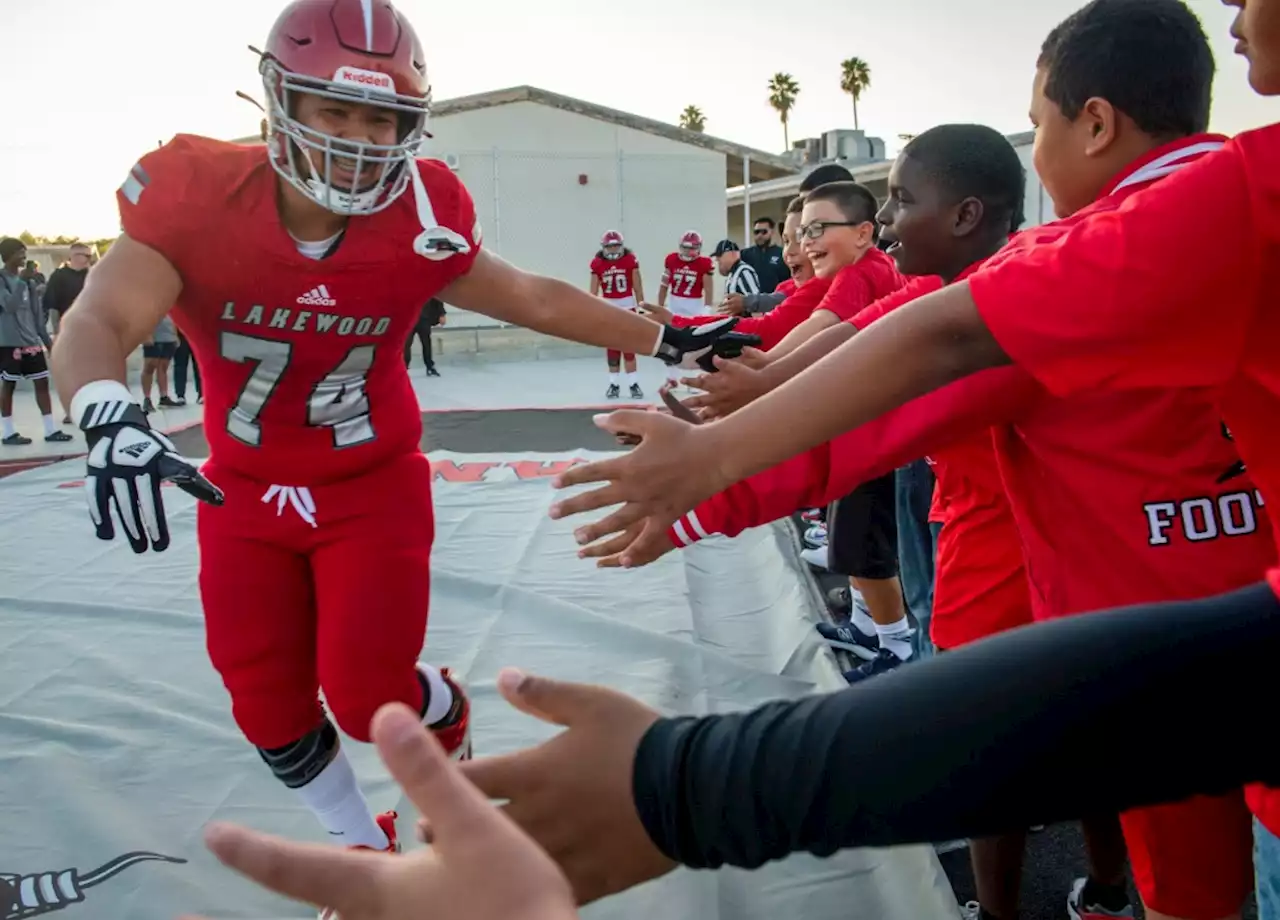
855 79
783 90
692 119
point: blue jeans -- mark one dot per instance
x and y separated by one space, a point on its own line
917 540
1266 868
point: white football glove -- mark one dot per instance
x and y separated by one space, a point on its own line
128 461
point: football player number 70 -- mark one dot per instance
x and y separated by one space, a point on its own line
337 402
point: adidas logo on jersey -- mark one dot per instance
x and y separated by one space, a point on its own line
317 297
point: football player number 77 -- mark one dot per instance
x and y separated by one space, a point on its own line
337 402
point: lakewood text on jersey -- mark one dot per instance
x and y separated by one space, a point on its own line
295 320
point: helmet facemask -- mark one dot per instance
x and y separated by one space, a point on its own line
295 147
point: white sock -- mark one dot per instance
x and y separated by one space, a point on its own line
441 695
6 425
613 378
860 619
896 637
335 798
49 426
632 378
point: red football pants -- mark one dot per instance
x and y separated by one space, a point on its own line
613 357
291 608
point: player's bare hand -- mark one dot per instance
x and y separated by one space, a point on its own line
572 794
754 358
729 389
453 879
657 314
675 466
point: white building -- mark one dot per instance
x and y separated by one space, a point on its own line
769 199
550 174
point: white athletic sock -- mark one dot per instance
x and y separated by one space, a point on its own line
613 378
49 426
441 695
632 378
335 798
6 425
862 621
896 637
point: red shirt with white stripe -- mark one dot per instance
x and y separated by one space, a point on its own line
1119 496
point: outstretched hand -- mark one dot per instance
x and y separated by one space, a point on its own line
454 880
675 466
736 383
572 794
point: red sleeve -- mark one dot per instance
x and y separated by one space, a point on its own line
786 288
812 479
916 287
158 200
1129 298
596 267
772 327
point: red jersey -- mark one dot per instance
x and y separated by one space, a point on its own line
1147 470
846 293
615 275
302 360
786 288
1128 301
686 279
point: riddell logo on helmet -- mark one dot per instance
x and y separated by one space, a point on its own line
365 79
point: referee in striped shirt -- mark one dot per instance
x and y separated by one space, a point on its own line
740 278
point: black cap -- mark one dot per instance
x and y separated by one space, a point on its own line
725 246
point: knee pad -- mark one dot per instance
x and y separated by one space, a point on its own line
299 763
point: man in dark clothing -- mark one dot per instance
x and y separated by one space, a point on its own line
24 343
765 256
65 284
432 315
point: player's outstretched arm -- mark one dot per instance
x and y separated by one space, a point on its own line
500 290
495 288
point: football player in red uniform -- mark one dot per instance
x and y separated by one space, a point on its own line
687 275
615 276
295 270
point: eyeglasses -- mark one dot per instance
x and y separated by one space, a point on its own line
761 231
814 231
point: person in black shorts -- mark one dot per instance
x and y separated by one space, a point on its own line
157 354
24 340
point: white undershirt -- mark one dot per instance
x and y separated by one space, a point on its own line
315 249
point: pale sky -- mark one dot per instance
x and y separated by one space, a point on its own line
93 84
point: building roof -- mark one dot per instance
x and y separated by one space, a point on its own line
865 173
764 166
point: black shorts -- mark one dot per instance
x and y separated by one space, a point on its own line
162 350
17 364
862 531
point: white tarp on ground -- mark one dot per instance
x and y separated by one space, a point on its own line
116 739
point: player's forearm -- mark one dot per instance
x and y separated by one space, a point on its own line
89 348
913 351
555 308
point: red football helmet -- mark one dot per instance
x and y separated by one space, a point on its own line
611 245
690 245
352 51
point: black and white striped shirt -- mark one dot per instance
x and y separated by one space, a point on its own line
742 280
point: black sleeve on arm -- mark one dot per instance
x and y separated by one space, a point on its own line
978 741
